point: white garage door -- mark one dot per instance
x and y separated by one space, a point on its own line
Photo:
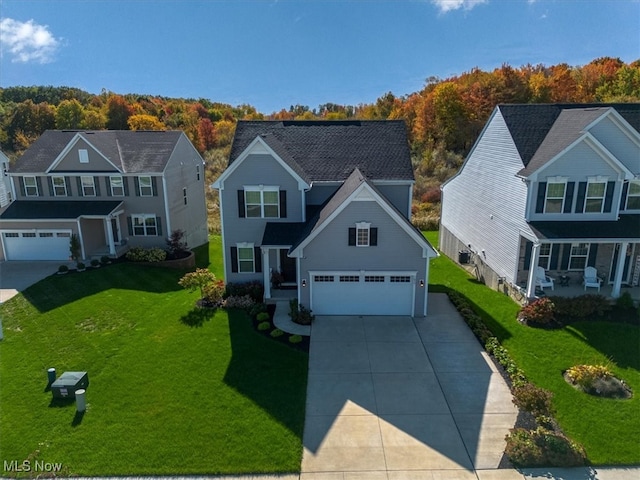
39 245
362 294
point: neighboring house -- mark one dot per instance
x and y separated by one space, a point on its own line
326 205
556 186
114 189
6 195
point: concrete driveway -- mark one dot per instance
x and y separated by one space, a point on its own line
402 398
16 276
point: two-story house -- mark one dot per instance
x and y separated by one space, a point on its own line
551 186
113 189
326 205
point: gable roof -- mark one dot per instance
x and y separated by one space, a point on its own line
529 125
330 150
130 151
351 188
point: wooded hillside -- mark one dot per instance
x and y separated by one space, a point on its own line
443 119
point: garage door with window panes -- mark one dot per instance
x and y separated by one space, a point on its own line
362 293
36 244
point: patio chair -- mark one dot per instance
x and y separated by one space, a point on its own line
590 278
542 279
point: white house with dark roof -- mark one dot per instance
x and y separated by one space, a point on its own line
551 186
326 206
113 189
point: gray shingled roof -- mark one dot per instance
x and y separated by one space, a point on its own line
58 209
529 125
131 151
628 226
330 150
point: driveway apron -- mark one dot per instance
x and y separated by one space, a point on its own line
397 397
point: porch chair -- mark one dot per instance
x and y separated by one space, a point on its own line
590 278
542 279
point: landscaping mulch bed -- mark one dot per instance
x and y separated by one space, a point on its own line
302 346
607 387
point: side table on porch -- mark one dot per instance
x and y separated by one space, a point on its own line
564 280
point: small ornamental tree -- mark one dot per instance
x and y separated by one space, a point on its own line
74 247
176 245
197 280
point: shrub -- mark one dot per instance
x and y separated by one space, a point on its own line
80 266
264 326
584 307
245 302
276 332
516 375
63 269
625 302
533 399
199 279
540 312
299 313
476 324
295 339
104 260
293 309
254 289
139 254
586 375
257 308
176 246
543 448
262 316
213 292
95 263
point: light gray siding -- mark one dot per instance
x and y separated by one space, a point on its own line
71 161
320 193
484 205
395 251
619 144
398 196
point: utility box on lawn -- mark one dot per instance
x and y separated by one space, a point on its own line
68 383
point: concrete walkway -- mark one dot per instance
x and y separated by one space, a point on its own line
282 320
398 398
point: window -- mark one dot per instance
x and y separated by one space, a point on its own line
545 255
45 234
83 155
555 197
246 262
198 172
399 279
184 195
362 234
578 256
29 235
59 186
349 278
633 196
374 278
11 235
262 202
323 278
30 186
145 186
144 225
63 234
88 187
595 196
117 186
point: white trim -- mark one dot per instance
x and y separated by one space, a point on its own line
246 245
35 184
140 177
165 200
111 177
224 247
64 184
72 143
619 121
83 186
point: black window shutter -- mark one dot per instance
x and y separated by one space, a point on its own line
623 197
96 183
542 193
234 259
22 189
39 184
79 183
608 196
593 251
527 255
50 182
566 251
555 256
136 184
130 224
67 182
257 259
283 204
582 191
159 226
352 236
241 212
568 197
373 236
125 183
107 182
154 186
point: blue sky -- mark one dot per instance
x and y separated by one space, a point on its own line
276 53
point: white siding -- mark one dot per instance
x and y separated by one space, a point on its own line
484 205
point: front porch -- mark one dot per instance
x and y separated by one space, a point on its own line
576 289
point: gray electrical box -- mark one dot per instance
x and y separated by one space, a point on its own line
68 383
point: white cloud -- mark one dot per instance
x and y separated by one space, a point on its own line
27 41
447 5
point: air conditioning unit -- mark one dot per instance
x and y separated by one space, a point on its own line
68 383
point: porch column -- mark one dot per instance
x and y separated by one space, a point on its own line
531 281
266 270
617 281
112 246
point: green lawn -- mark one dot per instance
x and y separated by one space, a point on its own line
608 429
164 397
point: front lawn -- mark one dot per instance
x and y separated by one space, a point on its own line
608 429
164 397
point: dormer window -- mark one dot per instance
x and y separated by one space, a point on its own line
594 201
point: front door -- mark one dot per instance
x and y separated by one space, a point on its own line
287 267
627 263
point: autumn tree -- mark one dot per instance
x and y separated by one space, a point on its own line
145 122
70 115
118 112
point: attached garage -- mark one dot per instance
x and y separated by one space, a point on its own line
363 293
36 244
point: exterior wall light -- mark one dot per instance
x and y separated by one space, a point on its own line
421 283
304 283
